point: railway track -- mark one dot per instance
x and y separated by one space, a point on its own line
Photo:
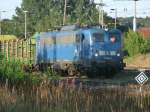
122 79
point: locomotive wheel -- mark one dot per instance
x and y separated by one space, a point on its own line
93 72
110 71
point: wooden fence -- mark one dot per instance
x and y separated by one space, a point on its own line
19 50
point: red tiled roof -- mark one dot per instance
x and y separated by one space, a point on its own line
145 32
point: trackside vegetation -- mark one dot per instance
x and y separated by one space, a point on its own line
14 71
134 43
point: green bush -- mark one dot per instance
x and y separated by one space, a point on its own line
13 72
134 43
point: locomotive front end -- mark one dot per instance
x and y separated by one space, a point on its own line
107 50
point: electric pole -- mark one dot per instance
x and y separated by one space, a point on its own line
115 17
65 8
101 12
134 19
25 24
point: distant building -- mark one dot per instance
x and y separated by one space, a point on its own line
145 32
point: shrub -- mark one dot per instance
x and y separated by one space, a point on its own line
134 43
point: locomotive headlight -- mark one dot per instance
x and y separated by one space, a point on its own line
118 54
96 54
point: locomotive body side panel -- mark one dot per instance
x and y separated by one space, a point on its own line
53 47
83 49
66 46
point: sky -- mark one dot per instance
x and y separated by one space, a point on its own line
143 7
9 6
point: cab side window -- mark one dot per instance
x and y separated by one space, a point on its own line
114 37
98 37
77 38
80 38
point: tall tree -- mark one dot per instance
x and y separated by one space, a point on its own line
45 14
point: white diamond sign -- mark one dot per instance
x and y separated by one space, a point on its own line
141 78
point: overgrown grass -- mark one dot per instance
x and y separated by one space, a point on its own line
13 72
61 97
31 92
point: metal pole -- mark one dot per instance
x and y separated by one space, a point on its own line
25 24
115 11
0 24
134 19
115 18
65 7
125 12
102 22
99 14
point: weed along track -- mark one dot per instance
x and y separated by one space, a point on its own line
64 96
22 91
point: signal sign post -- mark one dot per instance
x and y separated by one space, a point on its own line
141 79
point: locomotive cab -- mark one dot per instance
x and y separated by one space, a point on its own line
114 46
106 50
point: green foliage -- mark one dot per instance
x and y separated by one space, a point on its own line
134 43
14 72
11 70
47 14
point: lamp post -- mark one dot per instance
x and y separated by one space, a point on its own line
101 13
134 19
65 8
115 17
25 24
0 22
125 12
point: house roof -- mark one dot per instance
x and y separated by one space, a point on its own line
145 32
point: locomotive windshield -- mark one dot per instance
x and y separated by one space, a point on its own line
114 37
98 37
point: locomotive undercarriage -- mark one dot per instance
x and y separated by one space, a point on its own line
76 69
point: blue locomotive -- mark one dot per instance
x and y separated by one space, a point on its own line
79 50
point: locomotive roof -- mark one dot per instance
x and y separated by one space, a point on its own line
114 30
66 32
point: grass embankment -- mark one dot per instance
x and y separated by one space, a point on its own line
139 61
